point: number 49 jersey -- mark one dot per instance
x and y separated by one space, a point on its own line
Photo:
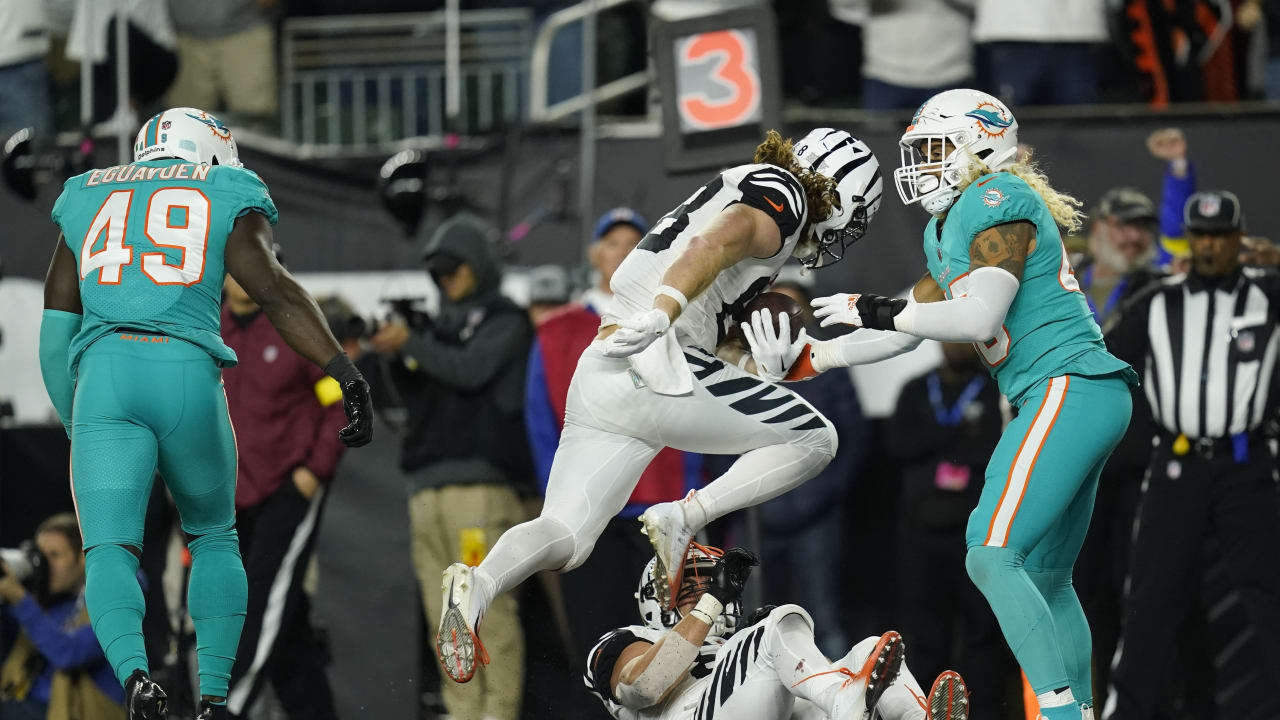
149 239
1049 329
703 323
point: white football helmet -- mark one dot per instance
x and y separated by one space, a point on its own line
697 573
189 134
978 125
847 160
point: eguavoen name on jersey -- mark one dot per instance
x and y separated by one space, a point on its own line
149 239
1049 330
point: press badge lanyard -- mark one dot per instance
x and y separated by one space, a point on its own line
951 417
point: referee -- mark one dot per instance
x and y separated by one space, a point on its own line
1205 344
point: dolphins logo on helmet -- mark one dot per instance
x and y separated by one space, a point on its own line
991 119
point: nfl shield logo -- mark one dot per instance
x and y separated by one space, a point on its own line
166 125
1210 205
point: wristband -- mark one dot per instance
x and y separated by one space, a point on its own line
341 368
674 294
707 609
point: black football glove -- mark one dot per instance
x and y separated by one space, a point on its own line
865 311
730 574
355 401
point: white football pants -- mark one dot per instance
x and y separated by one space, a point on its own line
614 426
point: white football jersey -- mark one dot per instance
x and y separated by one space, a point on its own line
704 322
604 655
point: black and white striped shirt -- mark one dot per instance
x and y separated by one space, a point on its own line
1206 350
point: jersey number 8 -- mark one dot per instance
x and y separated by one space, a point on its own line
176 217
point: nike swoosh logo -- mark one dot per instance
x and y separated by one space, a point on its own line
984 182
775 205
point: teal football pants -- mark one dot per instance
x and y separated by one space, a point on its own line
142 403
1031 520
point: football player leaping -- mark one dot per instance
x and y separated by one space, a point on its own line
648 380
698 662
999 277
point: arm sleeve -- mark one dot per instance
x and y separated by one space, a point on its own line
57 328
603 657
861 347
539 417
778 194
326 445
64 649
975 317
473 365
1173 198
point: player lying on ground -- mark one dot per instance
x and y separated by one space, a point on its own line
649 379
131 353
999 278
701 661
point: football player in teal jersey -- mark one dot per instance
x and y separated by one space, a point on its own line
998 276
131 356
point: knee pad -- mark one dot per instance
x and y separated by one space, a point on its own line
984 564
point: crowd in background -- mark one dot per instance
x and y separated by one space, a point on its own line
874 54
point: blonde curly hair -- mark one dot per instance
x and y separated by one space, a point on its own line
819 190
1064 208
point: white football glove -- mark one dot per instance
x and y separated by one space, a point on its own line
838 308
774 352
636 333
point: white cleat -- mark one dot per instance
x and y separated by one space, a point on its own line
457 643
665 525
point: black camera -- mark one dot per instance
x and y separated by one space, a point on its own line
28 565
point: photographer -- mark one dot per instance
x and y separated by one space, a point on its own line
56 668
461 378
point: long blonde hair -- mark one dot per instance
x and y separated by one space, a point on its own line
1064 208
819 190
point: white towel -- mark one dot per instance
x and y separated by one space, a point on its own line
662 366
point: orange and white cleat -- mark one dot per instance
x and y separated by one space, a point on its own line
458 645
949 698
665 526
861 691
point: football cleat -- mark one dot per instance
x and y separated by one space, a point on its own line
949 698
458 645
209 711
867 685
665 525
143 698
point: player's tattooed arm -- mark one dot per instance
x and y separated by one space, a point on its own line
1004 246
927 290
62 283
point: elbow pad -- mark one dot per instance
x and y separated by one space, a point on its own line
666 669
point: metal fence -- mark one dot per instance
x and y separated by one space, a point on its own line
374 80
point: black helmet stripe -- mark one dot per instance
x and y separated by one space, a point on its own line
818 163
850 166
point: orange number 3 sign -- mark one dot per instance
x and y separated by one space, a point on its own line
720 94
175 218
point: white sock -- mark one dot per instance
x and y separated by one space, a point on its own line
756 476
539 544
801 666
903 699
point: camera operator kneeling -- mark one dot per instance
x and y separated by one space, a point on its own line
55 670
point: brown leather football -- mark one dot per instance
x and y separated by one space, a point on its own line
775 303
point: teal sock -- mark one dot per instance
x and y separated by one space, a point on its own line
115 604
1071 627
1065 712
216 598
1023 614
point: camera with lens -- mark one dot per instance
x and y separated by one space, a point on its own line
28 565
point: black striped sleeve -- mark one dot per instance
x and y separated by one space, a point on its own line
776 192
603 657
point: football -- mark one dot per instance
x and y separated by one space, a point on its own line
775 303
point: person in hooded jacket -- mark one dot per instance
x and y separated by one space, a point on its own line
461 378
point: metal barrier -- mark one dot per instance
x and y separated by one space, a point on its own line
539 66
370 81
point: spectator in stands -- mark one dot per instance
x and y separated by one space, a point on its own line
1040 52
912 50
56 669
1169 145
599 594
1122 250
548 292
1249 15
24 77
801 526
942 433
461 376
227 56
152 60
286 412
